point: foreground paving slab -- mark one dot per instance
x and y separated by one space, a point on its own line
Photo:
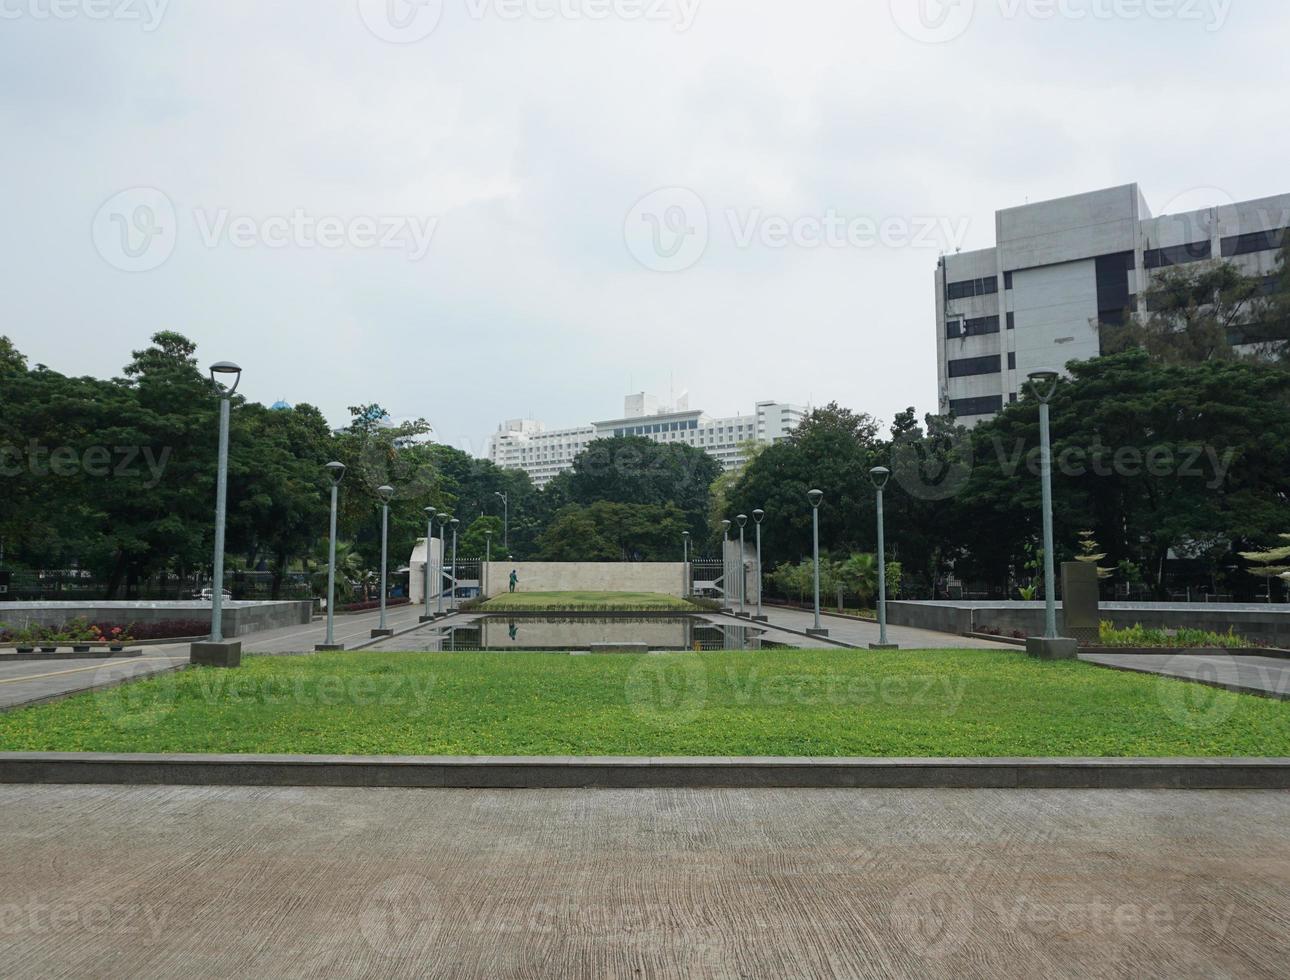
205 882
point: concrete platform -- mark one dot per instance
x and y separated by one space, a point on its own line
660 884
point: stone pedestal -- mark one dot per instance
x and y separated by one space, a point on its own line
329 648
381 634
1045 649
761 619
884 646
815 632
226 653
427 619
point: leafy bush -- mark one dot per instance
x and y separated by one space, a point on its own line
1139 636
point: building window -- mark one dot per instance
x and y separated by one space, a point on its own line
1258 241
968 367
967 407
1160 258
972 287
1012 321
1012 360
972 327
1007 280
1012 397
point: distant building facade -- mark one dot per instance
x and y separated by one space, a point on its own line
524 444
1060 270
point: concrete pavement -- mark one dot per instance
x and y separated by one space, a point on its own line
855 632
1266 676
214 882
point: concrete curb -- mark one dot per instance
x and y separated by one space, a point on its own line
442 772
448 617
789 629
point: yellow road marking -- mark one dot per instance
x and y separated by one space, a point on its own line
77 670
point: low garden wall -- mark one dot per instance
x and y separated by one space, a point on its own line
239 618
664 578
1264 623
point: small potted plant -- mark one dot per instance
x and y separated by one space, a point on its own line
25 640
47 640
117 639
80 634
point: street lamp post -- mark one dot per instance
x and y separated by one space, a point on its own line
336 473
443 525
880 475
759 515
506 521
216 652
488 561
725 564
385 493
685 573
742 521
1043 384
815 497
455 524
427 615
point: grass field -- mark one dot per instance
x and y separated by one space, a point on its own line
587 602
812 703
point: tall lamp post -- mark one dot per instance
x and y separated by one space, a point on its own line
488 560
427 615
216 652
385 493
455 524
1043 384
815 497
685 573
443 525
335 473
725 564
759 515
742 521
880 475
506 521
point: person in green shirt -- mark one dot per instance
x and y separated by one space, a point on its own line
515 579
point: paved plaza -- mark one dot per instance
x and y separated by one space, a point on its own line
213 882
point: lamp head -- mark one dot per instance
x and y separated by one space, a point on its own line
386 493
454 522
430 512
685 534
445 517
815 497
742 521
228 372
335 472
726 525
1043 384
759 515
880 475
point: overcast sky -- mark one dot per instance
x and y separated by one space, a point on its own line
475 210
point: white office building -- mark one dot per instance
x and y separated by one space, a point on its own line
524 444
1061 269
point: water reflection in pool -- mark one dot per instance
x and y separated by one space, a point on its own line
498 633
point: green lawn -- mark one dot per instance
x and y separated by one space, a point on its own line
587 602
816 703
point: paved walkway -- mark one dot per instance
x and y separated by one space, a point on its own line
1268 676
38 680
215 882
859 633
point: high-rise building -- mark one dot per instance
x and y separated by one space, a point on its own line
524 444
1060 270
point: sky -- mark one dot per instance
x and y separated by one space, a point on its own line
478 210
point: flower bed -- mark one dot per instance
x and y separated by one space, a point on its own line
80 632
